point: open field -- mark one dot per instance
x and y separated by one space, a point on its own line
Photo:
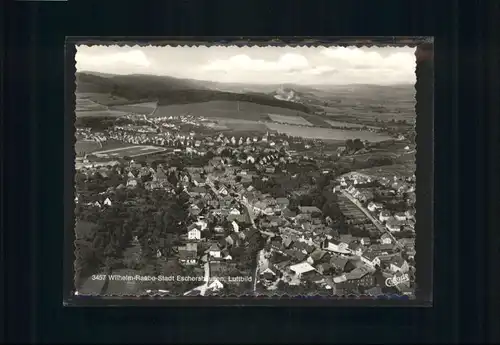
346 124
130 151
85 104
102 98
368 116
389 171
241 125
370 155
293 120
216 126
100 113
407 157
83 147
139 108
326 133
225 109
114 144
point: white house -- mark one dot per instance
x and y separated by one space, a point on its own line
410 214
214 251
400 216
365 241
202 224
384 216
371 207
385 239
194 234
394 225
235 211
371 259
399 264
301 268
107 202
132 183
341 247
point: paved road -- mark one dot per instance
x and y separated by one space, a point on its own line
375 222
256 272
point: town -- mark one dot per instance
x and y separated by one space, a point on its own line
239 212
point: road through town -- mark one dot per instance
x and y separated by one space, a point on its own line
375 222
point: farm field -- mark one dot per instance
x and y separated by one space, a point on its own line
130 151
139 108
84 104
114 144
100 113
346 124
241 125
83 147
225 109
293 120
326 133
102 98
388 171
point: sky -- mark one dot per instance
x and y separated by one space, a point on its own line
257 65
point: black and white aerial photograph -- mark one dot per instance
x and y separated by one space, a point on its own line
244 171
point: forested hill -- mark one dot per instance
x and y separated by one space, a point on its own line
170 90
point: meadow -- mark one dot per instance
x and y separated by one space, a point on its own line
100 113
344 124
83 147
225 109
388 171
326 133
293 120
130 151
145 108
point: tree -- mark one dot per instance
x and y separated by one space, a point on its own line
358 144
209 155
349 144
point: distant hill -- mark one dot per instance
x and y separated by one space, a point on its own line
134 83
169 90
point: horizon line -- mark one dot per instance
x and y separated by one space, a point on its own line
247 83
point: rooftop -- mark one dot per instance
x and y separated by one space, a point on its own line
303 267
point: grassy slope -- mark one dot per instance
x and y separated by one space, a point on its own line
168 90
358 103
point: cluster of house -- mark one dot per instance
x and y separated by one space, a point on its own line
355 184
301 244
307 250
88 135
